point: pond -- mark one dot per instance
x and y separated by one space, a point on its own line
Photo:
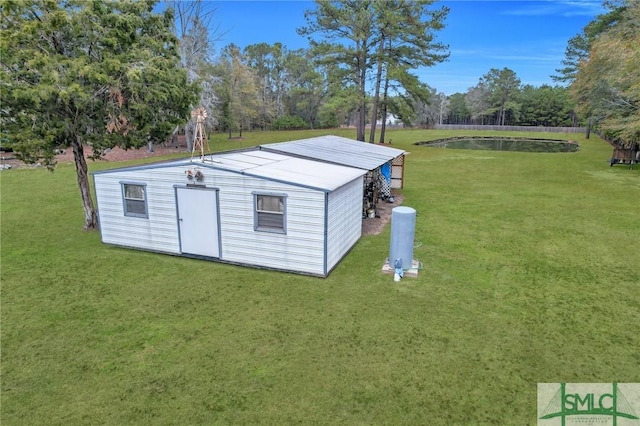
494 143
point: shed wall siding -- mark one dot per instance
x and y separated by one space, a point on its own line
300 249
158 232
345 221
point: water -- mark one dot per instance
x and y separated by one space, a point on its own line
504 144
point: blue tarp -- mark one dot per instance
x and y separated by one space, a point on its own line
385 169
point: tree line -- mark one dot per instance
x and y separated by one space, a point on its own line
268 87
500 99
357 71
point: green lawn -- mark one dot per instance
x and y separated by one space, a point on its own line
531 273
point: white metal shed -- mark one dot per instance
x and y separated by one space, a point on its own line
254 208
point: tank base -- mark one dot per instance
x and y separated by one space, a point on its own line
411 272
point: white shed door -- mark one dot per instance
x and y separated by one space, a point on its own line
198 221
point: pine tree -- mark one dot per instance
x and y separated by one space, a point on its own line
390 36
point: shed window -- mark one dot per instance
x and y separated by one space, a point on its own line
270 213
135 200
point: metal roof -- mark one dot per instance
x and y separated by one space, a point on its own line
267 165
338 150
300 171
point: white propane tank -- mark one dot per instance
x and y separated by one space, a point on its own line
403 227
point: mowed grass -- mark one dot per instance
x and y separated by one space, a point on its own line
530 274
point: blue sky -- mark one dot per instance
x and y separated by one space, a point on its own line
529 37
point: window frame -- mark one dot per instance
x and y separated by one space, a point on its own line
125 200
257 213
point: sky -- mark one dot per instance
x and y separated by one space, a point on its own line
528 37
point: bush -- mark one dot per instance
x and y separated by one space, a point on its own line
289 122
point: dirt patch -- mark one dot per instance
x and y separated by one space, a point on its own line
374 226
114 155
